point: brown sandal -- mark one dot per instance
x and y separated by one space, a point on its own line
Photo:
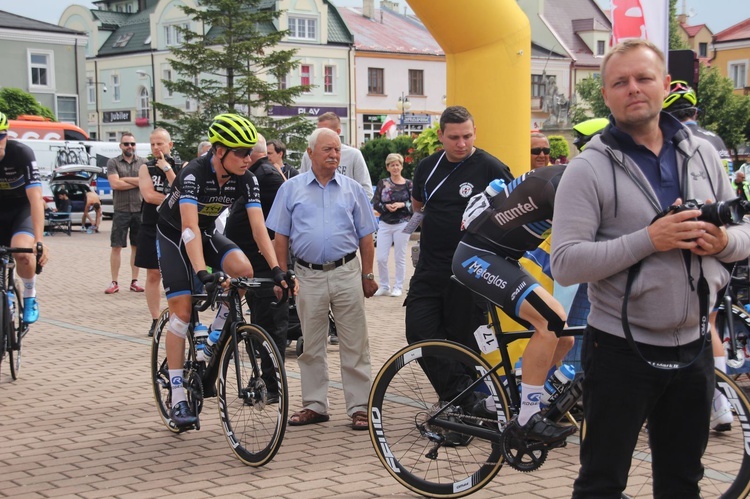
359 421
307 416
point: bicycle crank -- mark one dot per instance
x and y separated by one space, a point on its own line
194 392
523 455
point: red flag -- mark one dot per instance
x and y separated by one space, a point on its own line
384 129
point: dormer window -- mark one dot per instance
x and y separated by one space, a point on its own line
123 40
303 28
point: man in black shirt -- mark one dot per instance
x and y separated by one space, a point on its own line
154 179
437 307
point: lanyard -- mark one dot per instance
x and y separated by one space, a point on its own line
426 196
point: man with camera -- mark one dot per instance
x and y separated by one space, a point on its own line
155 176
646 351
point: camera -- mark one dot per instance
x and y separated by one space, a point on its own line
719 213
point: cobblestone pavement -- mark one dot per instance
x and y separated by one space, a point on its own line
81 420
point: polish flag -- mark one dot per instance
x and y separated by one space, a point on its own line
647 19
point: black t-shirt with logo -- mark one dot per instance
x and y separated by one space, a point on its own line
449 186
18 171
150 212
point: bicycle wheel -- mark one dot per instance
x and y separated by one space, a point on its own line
254 425
727 457
160 371
15 331
402 399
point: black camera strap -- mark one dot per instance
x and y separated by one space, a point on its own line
703 296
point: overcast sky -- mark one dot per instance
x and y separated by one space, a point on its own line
717 14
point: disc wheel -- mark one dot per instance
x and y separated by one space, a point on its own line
420 454
252 396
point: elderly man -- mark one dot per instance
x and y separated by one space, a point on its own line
327 216
539 150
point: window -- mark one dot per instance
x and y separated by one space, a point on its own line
168 77
91 87
600 47
328 77
703 49
115 88
305 74
122 40
537 86
375 81
281 82
172 35
416 82
111 136
144 106
303 28
738 74
41 70
67 109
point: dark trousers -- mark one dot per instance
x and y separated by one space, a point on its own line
274 320
621 392
437 307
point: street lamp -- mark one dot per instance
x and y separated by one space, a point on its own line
403 105
98 115
153 90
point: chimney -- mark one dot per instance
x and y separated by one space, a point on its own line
368 8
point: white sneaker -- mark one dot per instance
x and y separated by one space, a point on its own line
721 413
382 292
396 292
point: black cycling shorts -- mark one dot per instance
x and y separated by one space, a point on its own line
14 220
145 256
176 271
504 282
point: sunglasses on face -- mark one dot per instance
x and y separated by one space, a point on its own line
539 150
242 153
128 144
3 135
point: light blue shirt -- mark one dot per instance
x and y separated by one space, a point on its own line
323 223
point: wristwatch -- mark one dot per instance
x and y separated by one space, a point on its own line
369 277
166 168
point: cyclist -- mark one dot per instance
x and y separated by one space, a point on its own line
21 213
499 230
682 104
187 243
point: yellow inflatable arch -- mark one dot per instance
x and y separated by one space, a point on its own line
487 45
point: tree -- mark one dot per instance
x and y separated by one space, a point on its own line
375 151
589 101
559 148
15 102
233 66
722 111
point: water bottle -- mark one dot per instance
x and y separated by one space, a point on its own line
747 308
200 334
556 383
208 350
495 188
12 306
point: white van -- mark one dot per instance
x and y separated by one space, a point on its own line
53 153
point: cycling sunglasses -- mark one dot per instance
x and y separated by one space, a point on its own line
242 152
539 150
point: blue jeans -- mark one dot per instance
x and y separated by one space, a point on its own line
621 392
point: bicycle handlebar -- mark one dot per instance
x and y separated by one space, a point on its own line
236 283
6 250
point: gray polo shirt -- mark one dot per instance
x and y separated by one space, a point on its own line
128 201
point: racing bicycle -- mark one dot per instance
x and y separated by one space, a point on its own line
436 448
245 360
13 328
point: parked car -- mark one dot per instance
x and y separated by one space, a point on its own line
76 180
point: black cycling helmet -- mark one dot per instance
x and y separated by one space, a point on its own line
4 122
585 131
233 131
681 96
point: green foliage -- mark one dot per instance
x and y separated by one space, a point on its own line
235 69
15 102
559 147
375 151
676 42
427 143
589 101
722 111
